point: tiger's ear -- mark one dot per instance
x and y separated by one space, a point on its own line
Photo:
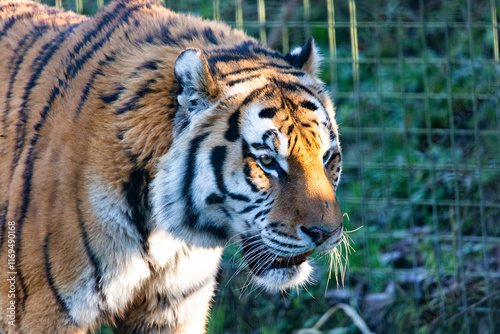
197 84
306 58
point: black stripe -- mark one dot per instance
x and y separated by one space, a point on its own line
260 213
209 35
245 150
290 86
128 106
239 197
309 105
136 194
113 97
292 147
248 209
268 112
90 85
242 70
254 94
133 102
217 160
237 81
149 65
332 135
56 90
260 200
233 131
24 45
191 217
213 198
284 244
94 260
260 146
284 234
293 72
50 279
39 63
227 57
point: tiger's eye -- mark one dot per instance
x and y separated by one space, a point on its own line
266 160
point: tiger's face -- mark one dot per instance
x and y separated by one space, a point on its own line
256 158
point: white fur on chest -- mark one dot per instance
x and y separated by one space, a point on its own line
180 268
184 266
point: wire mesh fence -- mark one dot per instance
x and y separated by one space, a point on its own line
416 84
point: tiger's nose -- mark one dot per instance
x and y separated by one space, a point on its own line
318 235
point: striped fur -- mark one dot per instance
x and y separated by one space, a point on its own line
134 145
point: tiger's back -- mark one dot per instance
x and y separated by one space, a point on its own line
118 179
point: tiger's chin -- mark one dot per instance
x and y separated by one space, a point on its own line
279 279
273 272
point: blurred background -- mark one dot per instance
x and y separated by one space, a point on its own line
416 84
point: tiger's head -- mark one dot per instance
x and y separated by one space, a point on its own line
255 157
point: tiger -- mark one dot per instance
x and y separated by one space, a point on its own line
134 146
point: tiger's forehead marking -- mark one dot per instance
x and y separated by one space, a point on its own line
262 132
277 129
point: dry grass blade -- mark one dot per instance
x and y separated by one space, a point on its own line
351 313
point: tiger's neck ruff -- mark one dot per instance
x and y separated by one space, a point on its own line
136 145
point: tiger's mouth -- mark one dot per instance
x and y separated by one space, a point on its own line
260 260
287 262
